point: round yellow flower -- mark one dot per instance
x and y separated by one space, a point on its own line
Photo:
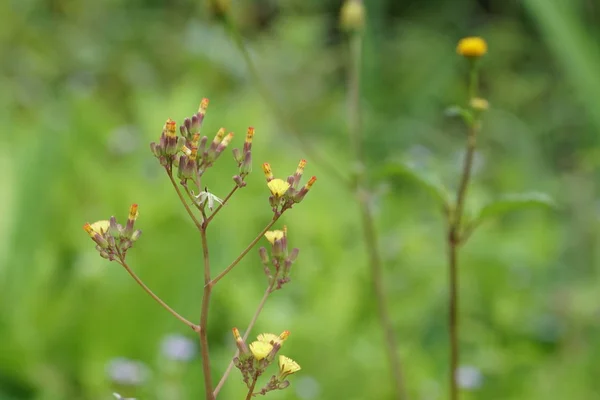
287 366
278 187
472 47
260 349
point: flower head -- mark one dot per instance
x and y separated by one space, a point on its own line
287 366
272 236
267 338
472 47
260 349
278 187
99 227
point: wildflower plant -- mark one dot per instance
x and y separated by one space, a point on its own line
187 156
461 221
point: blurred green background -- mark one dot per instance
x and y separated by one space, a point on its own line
86 85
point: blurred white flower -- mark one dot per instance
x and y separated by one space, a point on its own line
178 348
469 377
127 372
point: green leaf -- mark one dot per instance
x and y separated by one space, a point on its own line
514 202
425 179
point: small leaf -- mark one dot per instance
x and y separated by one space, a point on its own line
458 111
424 179
514 202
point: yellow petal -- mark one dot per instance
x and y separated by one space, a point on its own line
278 187
260 349
100 227
272 236
267 338
287 366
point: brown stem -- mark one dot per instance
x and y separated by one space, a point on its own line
185 204
251 389
225 200
367 218
204 319
259 309
194 327
243 253
454 241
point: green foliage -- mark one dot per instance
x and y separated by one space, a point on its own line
87 85
512 202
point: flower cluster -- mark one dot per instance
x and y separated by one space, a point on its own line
253 360
284 194
192 154
112 239
281 260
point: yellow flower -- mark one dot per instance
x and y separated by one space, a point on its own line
287 366
267 338
260 349
100 227
472 47
272 236
272 338
278 187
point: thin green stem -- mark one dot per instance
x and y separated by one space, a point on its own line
456 237
185 204
284 119
367 217
223 203
259 309
243 253
204 319
454 242
193 326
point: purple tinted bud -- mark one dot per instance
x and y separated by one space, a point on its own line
246 166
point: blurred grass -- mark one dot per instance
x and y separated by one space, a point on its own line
88 85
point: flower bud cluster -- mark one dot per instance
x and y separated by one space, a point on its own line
113 239
284 194
244 159
254 359
191 153
280 264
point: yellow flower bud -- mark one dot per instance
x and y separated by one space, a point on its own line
352 15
